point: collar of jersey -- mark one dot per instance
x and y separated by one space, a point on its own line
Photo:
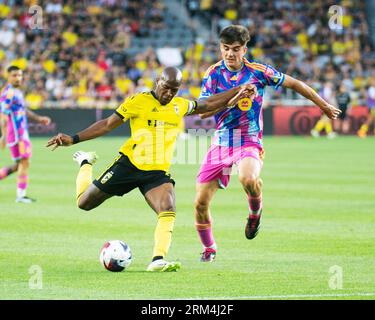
235 71
154 95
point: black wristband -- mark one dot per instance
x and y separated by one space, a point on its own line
75 138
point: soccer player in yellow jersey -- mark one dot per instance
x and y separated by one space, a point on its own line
145 158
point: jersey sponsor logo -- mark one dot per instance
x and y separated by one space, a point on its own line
245 104
159 123
106 177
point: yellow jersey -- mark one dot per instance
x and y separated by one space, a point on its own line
154 129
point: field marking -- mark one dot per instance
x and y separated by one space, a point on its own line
286 296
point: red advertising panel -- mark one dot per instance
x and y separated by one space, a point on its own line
300 120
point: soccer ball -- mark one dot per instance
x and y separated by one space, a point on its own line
115 255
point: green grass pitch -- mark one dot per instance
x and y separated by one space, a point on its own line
317 239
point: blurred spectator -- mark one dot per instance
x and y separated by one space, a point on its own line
84 52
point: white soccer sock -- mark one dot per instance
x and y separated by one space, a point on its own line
21 193
214 246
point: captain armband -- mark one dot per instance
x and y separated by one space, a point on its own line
191 107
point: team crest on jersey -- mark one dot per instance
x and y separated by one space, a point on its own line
106 177
176 108
245 104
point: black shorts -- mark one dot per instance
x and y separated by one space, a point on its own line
122 177
342 115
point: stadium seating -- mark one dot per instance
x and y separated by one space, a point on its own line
293 36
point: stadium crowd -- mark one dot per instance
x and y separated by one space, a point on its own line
296 37
80 56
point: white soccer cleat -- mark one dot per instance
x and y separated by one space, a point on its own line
81 156
161 265
332 135
24 200
315 133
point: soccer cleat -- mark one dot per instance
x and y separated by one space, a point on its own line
208 255
81 156
25 200
314 133
253 225
161 265
332 135
361 133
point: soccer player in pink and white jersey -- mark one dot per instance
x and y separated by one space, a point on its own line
14 129
238 135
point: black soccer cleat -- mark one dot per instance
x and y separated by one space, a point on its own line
253 225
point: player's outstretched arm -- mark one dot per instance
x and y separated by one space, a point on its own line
220 101
309 93
97 129
37 118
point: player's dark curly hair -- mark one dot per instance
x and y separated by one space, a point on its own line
13 68
234 33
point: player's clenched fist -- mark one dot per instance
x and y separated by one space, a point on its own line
247 91
59 140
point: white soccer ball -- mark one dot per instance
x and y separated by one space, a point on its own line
115 255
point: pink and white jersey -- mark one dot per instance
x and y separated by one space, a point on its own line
13 105
242 124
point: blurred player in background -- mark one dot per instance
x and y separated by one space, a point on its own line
239 132
370 93
14 128
343 102
144 161
325 123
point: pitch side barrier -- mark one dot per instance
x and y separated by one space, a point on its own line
278 120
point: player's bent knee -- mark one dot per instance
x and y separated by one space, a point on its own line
252 183
201 206
167 205
249 180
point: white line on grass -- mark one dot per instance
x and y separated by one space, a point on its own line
287 296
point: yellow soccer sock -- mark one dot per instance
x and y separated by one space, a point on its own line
364 128
319 125
163 233
328 127
84 179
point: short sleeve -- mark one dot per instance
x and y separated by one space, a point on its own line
269 76
187 106
127 109
209 83
6 101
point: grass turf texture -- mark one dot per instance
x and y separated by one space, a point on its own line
319 205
